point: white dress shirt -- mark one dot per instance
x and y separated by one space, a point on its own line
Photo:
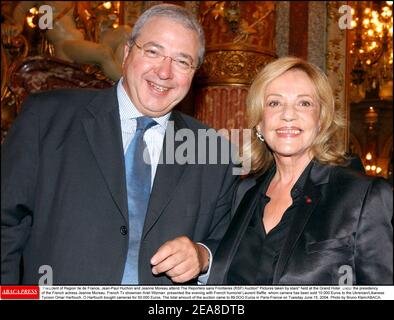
153 138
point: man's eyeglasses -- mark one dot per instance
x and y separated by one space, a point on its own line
150 51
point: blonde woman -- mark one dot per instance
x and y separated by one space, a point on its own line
303 217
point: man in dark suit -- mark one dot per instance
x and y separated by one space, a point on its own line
66 193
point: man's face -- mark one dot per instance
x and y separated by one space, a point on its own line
156 86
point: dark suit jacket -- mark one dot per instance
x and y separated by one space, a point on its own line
345 222
64 200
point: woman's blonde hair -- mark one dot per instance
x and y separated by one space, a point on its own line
325 146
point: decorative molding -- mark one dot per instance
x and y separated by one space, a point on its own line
231 67
222 106
193 6
240 40
298 30
255 25
282 9
336 64
132 10
317 21
37 73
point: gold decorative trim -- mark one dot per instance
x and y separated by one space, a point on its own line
336 63
282 27
317 17
231 67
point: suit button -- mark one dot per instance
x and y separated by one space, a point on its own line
123 230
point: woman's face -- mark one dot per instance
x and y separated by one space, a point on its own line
290 118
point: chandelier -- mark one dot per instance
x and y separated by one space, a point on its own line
372 48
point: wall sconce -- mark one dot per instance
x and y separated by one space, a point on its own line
370 167
371 118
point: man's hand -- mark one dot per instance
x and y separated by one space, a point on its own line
180 259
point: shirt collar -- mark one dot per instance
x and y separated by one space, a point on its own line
127 109
298 187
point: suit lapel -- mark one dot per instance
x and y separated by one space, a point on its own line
246 199
105 139
167 175
243 187
319 175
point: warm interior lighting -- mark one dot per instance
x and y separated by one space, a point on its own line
107 5
372 48
31 16
370 167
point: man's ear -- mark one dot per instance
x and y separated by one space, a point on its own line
126 52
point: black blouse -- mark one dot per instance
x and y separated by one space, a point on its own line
258 252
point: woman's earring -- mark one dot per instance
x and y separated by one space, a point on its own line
259 135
